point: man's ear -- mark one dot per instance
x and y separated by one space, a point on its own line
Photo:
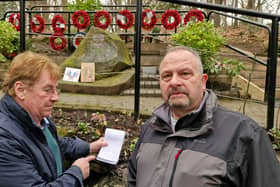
204 80
19 89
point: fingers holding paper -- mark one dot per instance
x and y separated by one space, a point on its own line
83 164
96 145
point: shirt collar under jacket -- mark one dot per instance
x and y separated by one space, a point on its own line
173 121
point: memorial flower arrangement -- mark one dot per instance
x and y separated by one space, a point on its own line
165 17
76 19
58 24
14 19
106 16
197 14
58 41
129 19
149 19
41 27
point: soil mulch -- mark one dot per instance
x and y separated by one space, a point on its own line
90 125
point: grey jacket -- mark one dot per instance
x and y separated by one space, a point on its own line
211 147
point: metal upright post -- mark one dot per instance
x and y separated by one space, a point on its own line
273 72
69 31
137 52
22 25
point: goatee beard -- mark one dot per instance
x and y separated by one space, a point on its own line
178 105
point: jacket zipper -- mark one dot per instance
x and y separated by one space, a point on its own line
174 167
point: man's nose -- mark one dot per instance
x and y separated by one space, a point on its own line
175 80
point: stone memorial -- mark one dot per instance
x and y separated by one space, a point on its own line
106 50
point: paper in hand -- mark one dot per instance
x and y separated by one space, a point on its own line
110 154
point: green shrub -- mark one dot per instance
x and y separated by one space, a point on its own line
207 40
275 135
84 5
9 41
156 30
2 58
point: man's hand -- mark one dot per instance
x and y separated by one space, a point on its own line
83 164
96 145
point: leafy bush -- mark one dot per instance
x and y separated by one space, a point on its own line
156 30
84 5
2 58
275 135
9 41
207 40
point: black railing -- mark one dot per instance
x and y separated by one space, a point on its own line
272 49
246 21
69 24
103 6
254 58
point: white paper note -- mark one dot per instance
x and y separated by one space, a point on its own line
111 153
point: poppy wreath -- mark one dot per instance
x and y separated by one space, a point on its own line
150 14
75 19
130 19
193 13
77 39
41 26
54 45
12 19
166 15
97 22
62 27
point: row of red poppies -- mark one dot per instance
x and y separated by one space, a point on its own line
149 20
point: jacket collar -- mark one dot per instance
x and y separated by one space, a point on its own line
193 124
13 110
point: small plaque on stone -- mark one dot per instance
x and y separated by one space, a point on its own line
87 72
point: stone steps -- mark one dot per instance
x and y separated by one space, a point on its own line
149 85
257 73
145 92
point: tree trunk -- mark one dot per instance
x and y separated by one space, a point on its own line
235 24
217 18
224 22
251 5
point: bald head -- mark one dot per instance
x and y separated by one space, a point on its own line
188 50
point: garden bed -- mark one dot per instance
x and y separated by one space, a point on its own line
90 125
